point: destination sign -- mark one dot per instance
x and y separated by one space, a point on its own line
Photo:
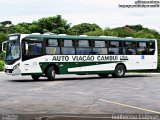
13 37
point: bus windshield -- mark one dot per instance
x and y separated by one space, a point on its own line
13 50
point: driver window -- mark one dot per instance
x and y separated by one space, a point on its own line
33 48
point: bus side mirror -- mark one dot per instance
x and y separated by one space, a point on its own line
4 46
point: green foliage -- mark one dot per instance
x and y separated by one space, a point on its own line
2 55
135 27
1 65
21 28
146 33
83 28
143 34
97 32
52 24
110 32
123 32
5 26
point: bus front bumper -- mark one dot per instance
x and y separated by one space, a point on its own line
13 72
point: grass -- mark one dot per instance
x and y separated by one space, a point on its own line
1 65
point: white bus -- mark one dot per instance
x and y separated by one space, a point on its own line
47 55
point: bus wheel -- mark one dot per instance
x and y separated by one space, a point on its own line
51 73
35 77
103 75
119 71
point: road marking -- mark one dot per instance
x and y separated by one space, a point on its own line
130 106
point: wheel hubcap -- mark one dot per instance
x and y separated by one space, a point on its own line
120 72
53 73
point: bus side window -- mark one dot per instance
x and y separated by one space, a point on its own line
84 47
116 48
53 47
100 47
68 47
142 48
151 48
130 47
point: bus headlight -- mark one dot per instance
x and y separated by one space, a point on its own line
16 66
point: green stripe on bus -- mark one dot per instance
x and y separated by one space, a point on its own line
40 74
63 66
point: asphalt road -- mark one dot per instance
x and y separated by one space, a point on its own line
73 94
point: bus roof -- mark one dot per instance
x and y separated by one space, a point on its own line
88 37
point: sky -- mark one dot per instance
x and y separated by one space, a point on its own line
105 13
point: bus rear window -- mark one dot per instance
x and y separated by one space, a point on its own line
142 48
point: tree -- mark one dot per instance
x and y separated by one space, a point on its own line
110 32
97 32
50 24
124 31
147 33
5 26
136 28
21 28
83 28
53 24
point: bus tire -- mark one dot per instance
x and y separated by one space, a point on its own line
35 77
103 75
119 71
51 73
